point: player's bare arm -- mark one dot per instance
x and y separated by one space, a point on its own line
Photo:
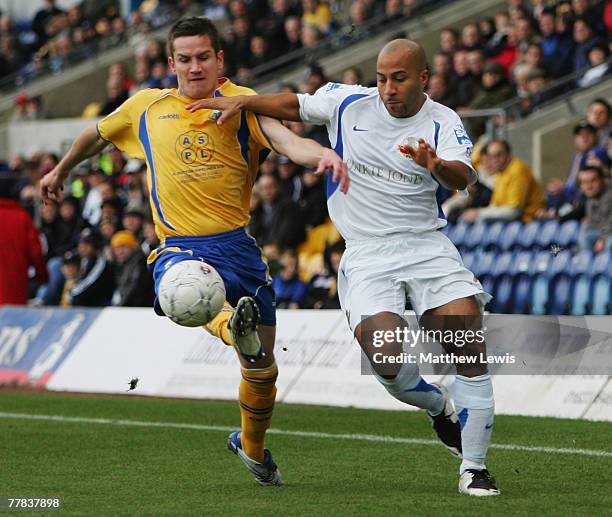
284 106
87 144
304 151
453 175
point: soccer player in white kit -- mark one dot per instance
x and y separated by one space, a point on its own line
400 146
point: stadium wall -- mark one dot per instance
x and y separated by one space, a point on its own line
100 350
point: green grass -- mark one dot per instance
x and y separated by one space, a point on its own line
116 470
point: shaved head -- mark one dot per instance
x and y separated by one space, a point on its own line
406 49
401 75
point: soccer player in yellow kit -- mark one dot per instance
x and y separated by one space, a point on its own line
200 178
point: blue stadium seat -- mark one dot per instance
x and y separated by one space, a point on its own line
528 235
547 234
510 235
502 282
601 287
560 286
457 233
493 236
539 269
482 268
475 236
521 271
581 289
568 234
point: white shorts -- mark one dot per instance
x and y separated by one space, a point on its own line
379 274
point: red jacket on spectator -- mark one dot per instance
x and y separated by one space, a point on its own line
19 249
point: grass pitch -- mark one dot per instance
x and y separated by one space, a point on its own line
108 468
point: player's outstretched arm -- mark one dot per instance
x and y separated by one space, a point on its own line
453 175
87 144
284 106
305 151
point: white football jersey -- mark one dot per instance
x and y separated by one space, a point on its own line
389 193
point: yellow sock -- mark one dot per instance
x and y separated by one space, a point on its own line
218 325
257 395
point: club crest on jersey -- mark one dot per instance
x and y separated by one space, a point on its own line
461 135
409 141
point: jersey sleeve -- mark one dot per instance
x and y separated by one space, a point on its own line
321 107
256 131
121 127
454 143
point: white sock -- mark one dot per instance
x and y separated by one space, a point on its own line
409 387
475 406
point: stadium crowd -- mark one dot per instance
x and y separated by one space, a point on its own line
96 241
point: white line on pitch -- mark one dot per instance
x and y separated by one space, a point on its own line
305 434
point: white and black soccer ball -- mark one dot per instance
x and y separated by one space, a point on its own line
191 293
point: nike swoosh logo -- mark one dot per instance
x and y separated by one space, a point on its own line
355 128
488 426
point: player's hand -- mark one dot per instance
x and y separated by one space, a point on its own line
228 106
339 171
424 155
52 186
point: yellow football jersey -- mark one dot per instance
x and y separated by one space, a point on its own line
200 175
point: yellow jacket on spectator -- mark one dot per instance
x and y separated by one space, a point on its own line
517 187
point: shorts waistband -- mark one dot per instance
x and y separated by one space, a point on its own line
232 235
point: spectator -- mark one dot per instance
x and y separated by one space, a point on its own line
597 229
291 179
600 68
151 241
20 245
293 34
276 218
470 37
290 290
41 18
95 284
599 115
587 153
439 91
557 49
323 286
313 199
516 193
317 14
449 40
132 222
134 283
584 39
352 75
71 263
557 203
462 81
117 95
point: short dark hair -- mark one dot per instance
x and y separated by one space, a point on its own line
593 168
604 103
193 26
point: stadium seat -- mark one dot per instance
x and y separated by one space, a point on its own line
601 287
482 268
539 270
581 289
508 238
560 285
521 271
503 282
568 234
493 235
548 234
475 235
528 235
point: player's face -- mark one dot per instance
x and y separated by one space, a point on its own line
196 65
400 83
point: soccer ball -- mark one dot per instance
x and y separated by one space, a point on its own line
191 293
